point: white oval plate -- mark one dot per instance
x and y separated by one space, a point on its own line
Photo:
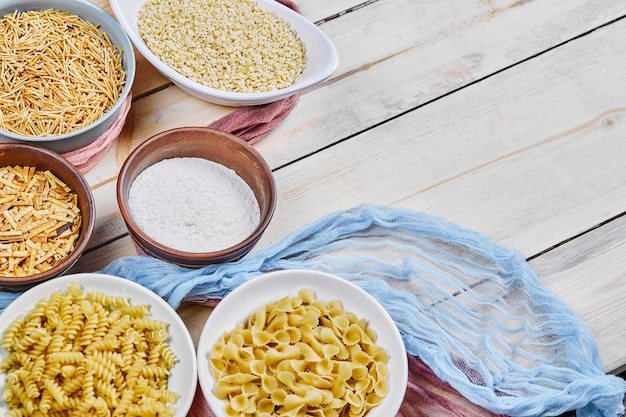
181 379
322 56
244 300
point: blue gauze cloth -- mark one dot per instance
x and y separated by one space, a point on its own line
474 312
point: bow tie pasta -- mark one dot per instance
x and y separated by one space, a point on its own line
300 356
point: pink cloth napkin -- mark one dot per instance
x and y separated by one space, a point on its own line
252 123
86 157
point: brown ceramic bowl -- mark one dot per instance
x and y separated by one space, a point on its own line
22 154
198 142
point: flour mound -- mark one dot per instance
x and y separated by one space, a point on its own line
193 205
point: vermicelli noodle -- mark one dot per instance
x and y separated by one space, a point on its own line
58 73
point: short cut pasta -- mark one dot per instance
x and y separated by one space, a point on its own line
40 221
81 353
234 46
300 356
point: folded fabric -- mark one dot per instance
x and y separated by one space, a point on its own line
252 123
86 157
474 312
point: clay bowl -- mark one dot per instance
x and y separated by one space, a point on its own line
22 154
216 146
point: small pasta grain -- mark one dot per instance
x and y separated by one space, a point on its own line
228 45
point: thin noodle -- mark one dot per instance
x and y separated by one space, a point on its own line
59 73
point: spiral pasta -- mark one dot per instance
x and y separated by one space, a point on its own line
300 356
86 354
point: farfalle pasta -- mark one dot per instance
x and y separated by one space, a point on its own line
300 356
81 353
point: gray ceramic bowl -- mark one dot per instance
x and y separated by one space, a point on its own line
23 154
198 142
100 17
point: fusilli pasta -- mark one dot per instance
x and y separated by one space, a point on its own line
85 354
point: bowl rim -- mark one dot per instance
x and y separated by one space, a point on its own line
273 286
128 58
135 230
88 222
229 97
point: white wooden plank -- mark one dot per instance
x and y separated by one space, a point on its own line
95 259
513 156
589 274
108 225
318 10
431 49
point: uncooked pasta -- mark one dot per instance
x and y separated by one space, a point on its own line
300 356
81 353
234 46
59 73
39 221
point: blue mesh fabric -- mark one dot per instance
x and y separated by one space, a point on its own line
474 312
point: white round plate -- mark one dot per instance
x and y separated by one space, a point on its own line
322 56
181 378
244 300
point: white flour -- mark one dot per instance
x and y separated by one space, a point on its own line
193 205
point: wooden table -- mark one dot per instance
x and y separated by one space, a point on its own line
504 116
